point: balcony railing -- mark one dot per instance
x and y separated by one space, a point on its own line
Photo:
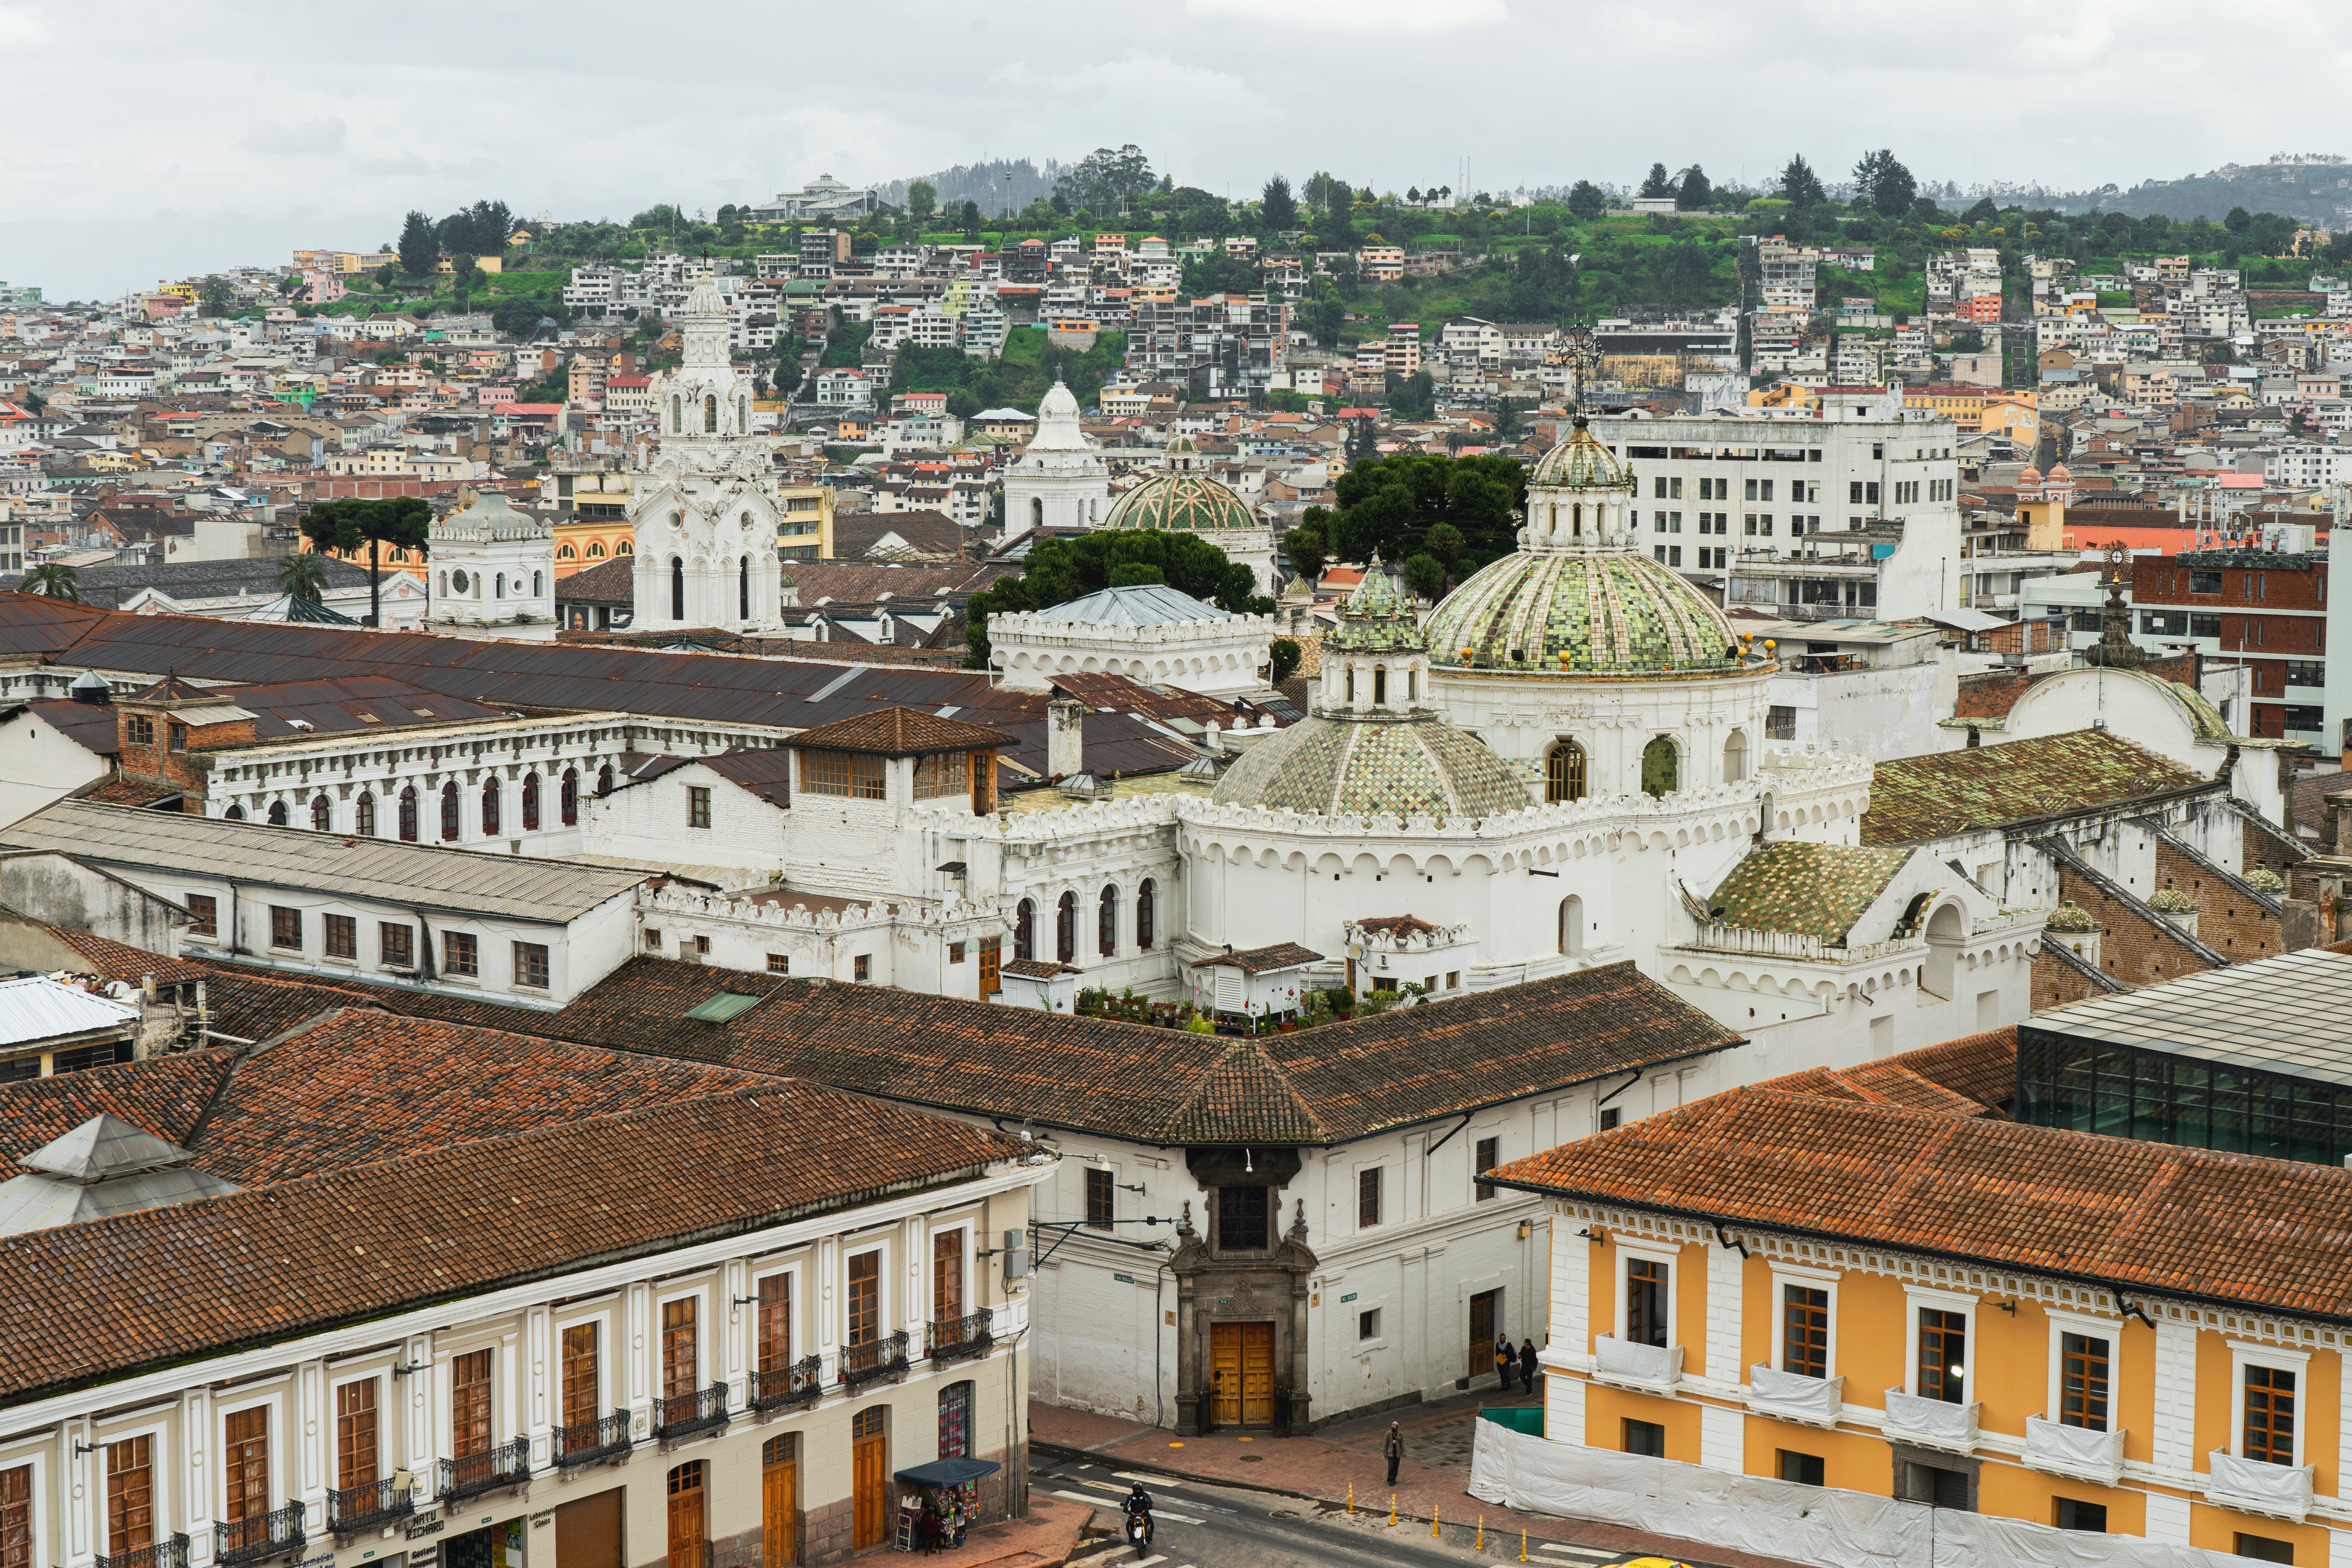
1653 1368
874 1359
585 1441
265 1535
704 1410
507 1465
170 1553
372 1504
1795 1395
2250 1486
789 1387
1931 1423
954 1339
2077 1451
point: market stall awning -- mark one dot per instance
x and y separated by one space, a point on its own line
948 1472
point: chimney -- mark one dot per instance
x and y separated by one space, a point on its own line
1064 737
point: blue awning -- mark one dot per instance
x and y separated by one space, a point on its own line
948 1472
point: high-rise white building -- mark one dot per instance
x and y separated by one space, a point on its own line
1059 479
704 512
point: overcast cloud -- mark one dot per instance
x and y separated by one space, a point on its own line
150 142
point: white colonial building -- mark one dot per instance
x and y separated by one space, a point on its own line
1150 633
1059 480
493 572
704 513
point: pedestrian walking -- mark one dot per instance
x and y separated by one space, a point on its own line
1506 1359
1528 1365
1394 1446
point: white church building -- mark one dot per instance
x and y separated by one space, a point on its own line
1059 481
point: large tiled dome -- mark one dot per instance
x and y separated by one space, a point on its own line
1419 766
1595 614
1181 501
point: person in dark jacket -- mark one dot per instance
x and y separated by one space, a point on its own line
1506 1359
1394 1446
1528 1365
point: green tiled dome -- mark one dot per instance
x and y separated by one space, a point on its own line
1580 462
1612 613
1181 501
1420 767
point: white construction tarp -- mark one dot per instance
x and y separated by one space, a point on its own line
2076 1450
1819 1525
1795 1395
2283 1490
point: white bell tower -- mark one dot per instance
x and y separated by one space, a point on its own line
704 512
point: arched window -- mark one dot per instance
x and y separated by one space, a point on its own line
1564 772
491 796
321 813
743 589
711 414
1411 685
1351 683
742 416
538 585
1379 686
499 589
604 779
1576 520
1065 929
564 552
277 814
1947 932
1144 913
1036 511
363 815
408 815
235 814
571 797
1572 925
1661 767
449 811
677 589
1735 757
1025 930
530 803
595 550
1106 922
625 548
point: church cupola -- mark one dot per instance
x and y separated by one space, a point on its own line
1581 500
1375 661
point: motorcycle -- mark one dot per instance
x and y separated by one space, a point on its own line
1139 1528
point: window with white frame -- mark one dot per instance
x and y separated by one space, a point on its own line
2081 1370
1804 1321
1939 1327
1645 1294
2266 1388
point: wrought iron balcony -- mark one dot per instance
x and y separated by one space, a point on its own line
955 1339
874 1360
169 1552
585 1441
705 1410
263 1536
364 1507
789 1387
507 1465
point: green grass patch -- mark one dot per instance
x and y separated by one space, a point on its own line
1025 345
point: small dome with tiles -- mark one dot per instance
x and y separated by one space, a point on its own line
1380 764
1580 462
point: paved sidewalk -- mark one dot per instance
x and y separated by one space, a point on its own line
1044 1540
1429 1482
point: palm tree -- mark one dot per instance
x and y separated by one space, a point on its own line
54 581
304 575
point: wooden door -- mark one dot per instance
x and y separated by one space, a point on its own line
869 1481
1225 1372
1258 1375
588 1531
686 1516
1482 1331
130 1496
991 966
248 1464
780 1500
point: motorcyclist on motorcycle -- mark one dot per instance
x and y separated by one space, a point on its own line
1138 1508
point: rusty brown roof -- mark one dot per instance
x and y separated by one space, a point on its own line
1262 959
901 732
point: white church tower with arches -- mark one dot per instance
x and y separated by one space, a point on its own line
493 572
1059 481
704 513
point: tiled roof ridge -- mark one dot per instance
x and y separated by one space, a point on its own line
1245 1055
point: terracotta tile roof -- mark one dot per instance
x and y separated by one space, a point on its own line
164 1096
1398 925
1809 890
902 732
244 1003
1336 1082
1795 1153
1952 793
114 1296
1038 969
1261 960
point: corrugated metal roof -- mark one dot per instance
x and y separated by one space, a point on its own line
459 880
38 1008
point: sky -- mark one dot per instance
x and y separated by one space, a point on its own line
148 142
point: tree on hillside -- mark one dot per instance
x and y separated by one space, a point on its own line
1323 318
1586 200
1983 212
1275 206
214 297
1331 196
1305 543
922 200
1394 507
970 220
1800 186
1657 182
405 522
1694 193
2238 221
53 580
1883 183
1059 569
1104 179
419 249
1414 396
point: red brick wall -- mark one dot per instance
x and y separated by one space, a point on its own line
2136 949
2056 982
2226 919
1990 693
